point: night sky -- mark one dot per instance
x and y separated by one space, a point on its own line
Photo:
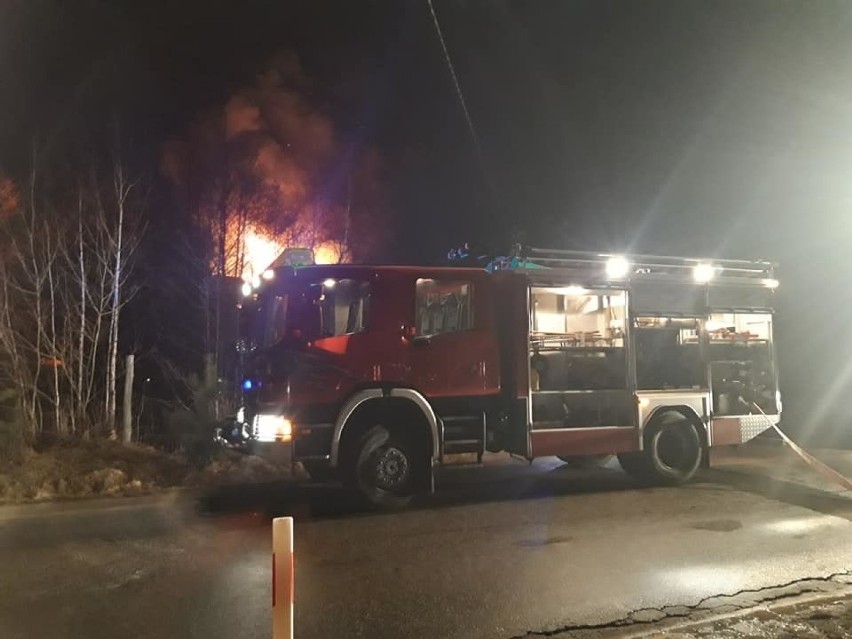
682 127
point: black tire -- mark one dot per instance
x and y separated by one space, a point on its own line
318 471
584 462
385 469
672 454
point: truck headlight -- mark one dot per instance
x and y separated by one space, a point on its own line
271 428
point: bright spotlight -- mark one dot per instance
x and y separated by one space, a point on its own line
246 289
268 274
703 273
329 283
617 267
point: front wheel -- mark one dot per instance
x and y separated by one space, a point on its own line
672 453
385 469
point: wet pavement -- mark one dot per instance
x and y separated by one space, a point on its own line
508 550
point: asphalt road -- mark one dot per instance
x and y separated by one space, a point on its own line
502 551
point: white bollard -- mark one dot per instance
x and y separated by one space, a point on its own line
282 578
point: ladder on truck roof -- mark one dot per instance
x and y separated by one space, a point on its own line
638 266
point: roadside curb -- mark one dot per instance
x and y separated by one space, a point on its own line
89 503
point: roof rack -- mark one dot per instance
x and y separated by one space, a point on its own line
615 266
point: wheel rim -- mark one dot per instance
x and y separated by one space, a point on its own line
390 469
673 450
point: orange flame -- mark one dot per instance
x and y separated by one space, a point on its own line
327 253
260 249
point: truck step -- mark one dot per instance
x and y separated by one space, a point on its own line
461 459
464 434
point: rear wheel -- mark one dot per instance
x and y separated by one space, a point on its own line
385 469
672 452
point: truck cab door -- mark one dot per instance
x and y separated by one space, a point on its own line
453 351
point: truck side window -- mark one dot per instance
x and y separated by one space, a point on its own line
443 307
345 307
577 338
741 362
668 353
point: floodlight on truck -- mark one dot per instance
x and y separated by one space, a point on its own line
703 272
617 267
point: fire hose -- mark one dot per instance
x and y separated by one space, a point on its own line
822 468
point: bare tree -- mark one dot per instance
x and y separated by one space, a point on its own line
121 192
65 280
82 305
29 331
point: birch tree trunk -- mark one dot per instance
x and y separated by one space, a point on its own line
121 191
79 412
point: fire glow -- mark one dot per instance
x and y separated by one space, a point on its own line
260 250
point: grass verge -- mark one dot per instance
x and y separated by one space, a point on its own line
73 470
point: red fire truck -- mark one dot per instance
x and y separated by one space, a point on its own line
371 375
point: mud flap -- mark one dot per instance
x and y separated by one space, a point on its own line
705 458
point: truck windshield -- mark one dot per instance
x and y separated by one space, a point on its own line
319 310
276 327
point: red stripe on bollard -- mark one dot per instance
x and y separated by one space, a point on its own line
273 580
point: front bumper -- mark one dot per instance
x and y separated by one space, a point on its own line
276 452
306 441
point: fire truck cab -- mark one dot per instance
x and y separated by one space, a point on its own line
371 375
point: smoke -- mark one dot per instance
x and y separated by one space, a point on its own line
269 165
241 117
